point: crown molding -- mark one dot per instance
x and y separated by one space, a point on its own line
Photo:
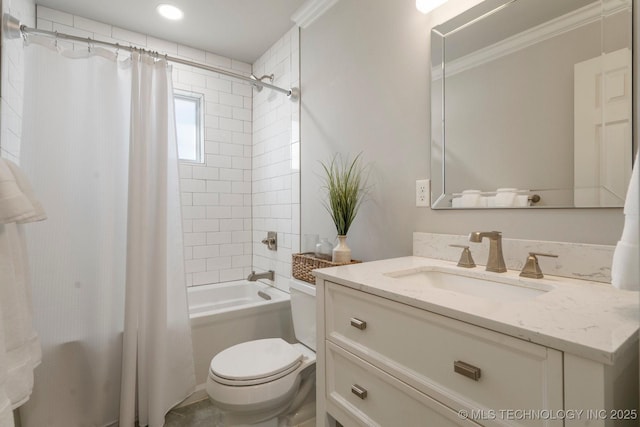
583 16
310 11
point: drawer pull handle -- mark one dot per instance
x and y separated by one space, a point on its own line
467 370
357 323
359 391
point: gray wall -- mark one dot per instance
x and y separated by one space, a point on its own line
364 79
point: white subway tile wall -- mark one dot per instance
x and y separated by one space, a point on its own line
12 85
276 160
216 195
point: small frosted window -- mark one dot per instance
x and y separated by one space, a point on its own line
188 110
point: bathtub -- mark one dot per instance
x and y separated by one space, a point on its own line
229 313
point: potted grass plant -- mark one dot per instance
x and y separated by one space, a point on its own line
346 185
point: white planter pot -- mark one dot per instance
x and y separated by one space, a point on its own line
341 252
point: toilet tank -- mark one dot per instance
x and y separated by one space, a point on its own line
303 312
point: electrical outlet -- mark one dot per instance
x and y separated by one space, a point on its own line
422 193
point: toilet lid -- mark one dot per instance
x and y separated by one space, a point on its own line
255 359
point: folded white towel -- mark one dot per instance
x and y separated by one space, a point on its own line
521 201
25 187
506 197
473 199
14 204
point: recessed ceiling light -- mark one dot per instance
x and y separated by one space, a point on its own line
426 6
170 12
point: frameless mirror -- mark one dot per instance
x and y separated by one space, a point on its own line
531 105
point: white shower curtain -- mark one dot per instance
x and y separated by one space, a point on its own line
99 147
156 320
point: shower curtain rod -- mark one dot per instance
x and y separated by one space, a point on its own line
13 29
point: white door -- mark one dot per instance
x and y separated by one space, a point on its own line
602 129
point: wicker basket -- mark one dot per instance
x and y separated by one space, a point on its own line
305 262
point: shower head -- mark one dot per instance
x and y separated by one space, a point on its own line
258 87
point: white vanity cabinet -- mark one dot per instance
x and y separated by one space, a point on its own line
382 362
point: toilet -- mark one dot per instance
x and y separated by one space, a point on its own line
270 382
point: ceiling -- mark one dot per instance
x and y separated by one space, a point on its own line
238 29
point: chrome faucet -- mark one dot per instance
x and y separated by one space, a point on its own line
496 259
266 275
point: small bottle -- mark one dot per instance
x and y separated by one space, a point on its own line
324 249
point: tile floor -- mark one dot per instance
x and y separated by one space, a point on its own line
199 414
203 414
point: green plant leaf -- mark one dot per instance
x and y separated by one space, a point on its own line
346 186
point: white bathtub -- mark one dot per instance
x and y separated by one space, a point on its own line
229 313
217 299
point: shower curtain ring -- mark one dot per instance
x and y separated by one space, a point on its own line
89 44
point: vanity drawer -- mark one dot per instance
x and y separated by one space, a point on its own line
420 348
371 397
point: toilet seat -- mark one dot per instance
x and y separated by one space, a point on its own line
267 396
240 394
255 362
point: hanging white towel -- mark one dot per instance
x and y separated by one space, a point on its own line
20 340
6 411
6 415
625 269
20 343
38 213
14 204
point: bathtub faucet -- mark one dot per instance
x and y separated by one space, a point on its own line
267 275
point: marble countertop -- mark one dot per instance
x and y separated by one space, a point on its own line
588 319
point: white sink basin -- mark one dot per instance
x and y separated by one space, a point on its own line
500 289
